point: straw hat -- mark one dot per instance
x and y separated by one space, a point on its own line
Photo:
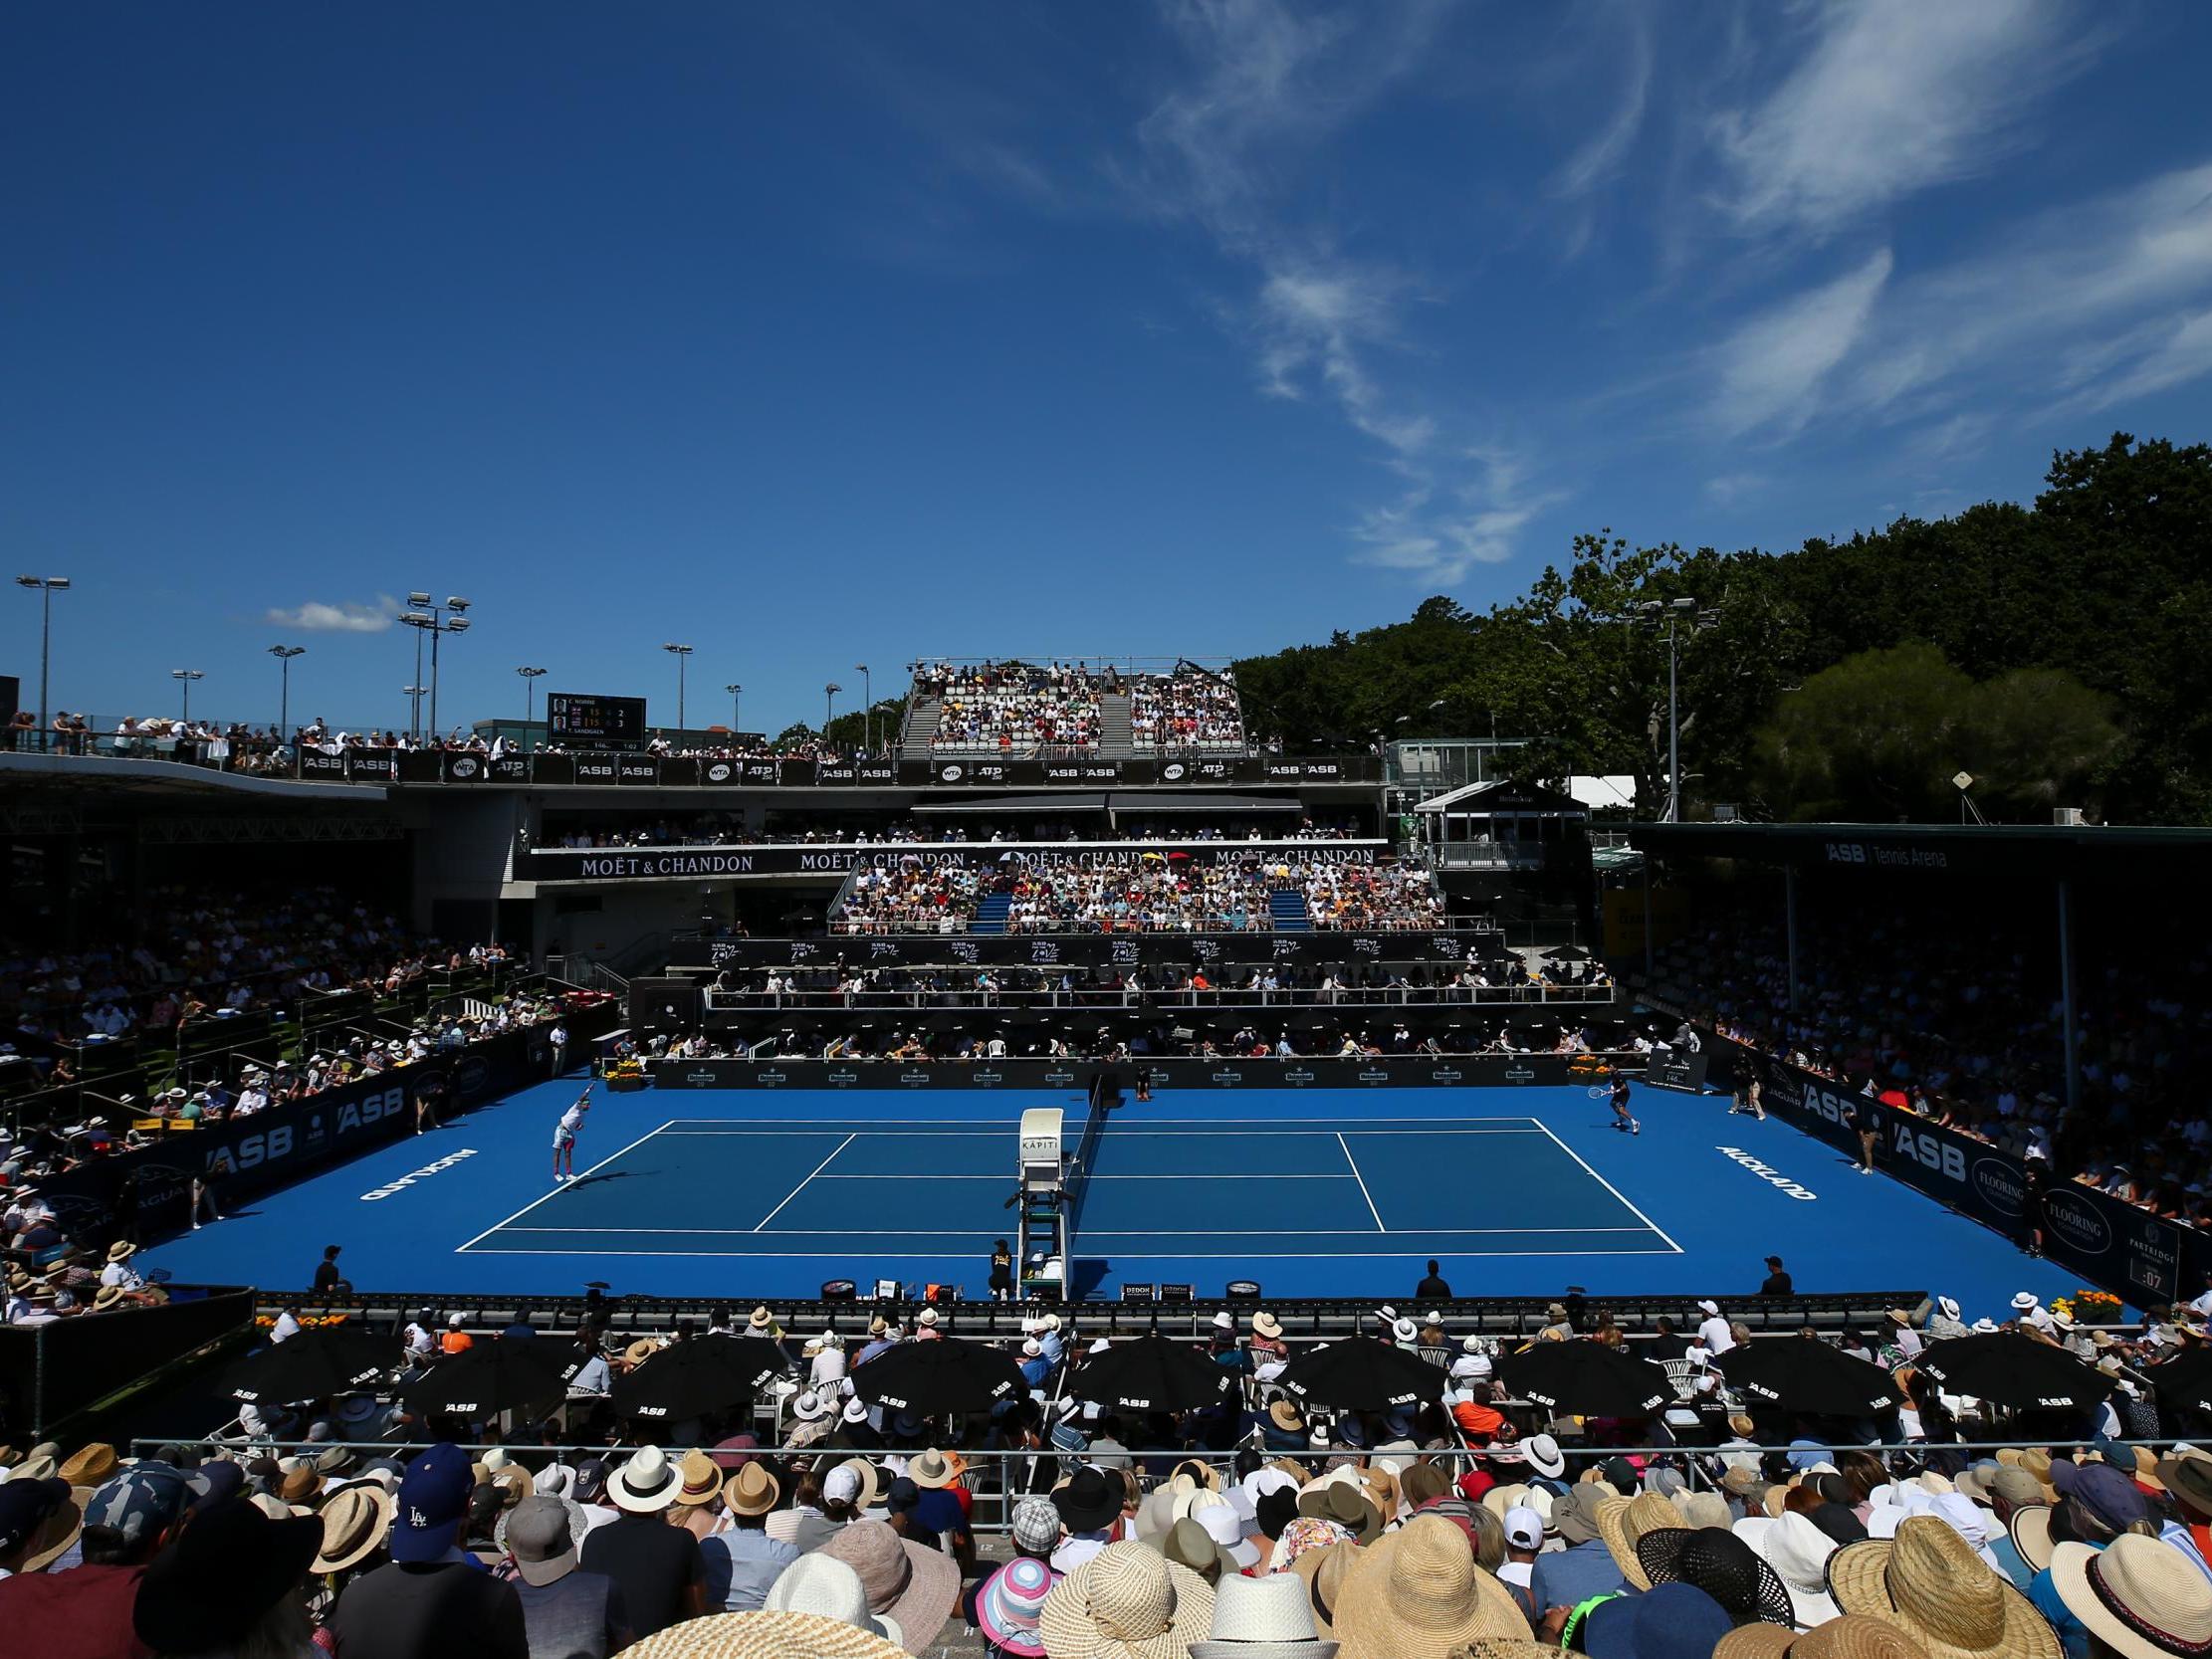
1419 1594
701 1479
88 1465
1929 1581
753 1490
904 1582
931 1470
2139 1597
1623 1521
1266 1324
1324 1572
1126 1602
760 1319
1840 1638
1284 1415
819 1584
354 1522
765 1636
641 1351
1263 1619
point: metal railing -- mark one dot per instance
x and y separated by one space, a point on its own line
1214 999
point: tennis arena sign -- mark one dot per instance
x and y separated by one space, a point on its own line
1765 1172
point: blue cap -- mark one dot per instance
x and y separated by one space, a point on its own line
24 1507
1670 1622
433 1500
140 1503
212 1481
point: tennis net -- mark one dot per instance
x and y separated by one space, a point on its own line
1079 1171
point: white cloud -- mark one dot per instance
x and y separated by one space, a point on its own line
1440 535
1600 154
2181 354
348 617
1894 96
1731 488
1771 367
1311 318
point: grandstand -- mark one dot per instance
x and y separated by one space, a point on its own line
1014 708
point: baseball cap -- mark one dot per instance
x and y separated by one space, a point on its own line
212 1481
841 1485
1524 1527
538 1537
433 1499
140 1503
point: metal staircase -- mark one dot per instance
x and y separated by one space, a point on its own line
918 727
1114 739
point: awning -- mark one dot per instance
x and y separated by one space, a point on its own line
1074 802
1150 800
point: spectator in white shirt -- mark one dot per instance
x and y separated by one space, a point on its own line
1714 1333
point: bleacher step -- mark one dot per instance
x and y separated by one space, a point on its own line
1290 912
1115 742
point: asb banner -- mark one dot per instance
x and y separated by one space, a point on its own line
1089 950
1477 1071
2127 1250
606 766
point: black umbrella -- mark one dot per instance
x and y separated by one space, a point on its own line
2007 1369
312 1366
1361 1373
701 1376
497 1374
1151 1373
949 1373
1586 1380
2185 1380
1802 1374
1569 954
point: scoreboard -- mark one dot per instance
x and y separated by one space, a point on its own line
580 720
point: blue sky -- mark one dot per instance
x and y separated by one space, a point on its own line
826 334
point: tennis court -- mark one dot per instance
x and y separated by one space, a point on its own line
930 1191
745 1195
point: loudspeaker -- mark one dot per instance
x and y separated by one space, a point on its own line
1242 1289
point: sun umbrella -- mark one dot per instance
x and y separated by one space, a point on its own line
695 1377
1151 1373
948 1375
1569 954
2185 1380
311 1365
1587 1379
493 1376
1361 1373
1810 1377
2007 1369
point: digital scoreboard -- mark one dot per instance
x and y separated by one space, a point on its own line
578 720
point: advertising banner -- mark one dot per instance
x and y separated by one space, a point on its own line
614 864
1484 1071
1084 951
2127 1250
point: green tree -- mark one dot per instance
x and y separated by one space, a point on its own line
1876 734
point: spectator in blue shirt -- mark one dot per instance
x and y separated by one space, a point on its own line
1586 1567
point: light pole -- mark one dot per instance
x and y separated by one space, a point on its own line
679 652
46 587
284 655
868 709
431 619
829 706
735 692
415 694
529 696
1672 614
185 677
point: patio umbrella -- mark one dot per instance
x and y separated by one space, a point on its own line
2184 1381
2007 1369
1360 1374
1810 1376
701 1376
495 1376
948 1375
1569 954
1151 1373
1587 1379
311 1365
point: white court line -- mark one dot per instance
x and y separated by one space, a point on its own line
1616 1191
986 1126
796 1192
980 1238
1092 1232
1362 1179
1224 1133
558 1190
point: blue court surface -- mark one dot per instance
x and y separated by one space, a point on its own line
745 1195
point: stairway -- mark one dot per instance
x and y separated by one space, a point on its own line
1114 739
920 728
1290 911
991 914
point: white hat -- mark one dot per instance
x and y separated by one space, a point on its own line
1946 1306
1470 1344
645 1485
453 1321
1223 1322
1709 1307
807 1405
842 1484
2024 1300
927 1317
1032 1349
1269 1617
1524 1527
1544 1456
1405 1330
857 1410
829 1588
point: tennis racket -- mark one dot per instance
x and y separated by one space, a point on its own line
1601 1091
